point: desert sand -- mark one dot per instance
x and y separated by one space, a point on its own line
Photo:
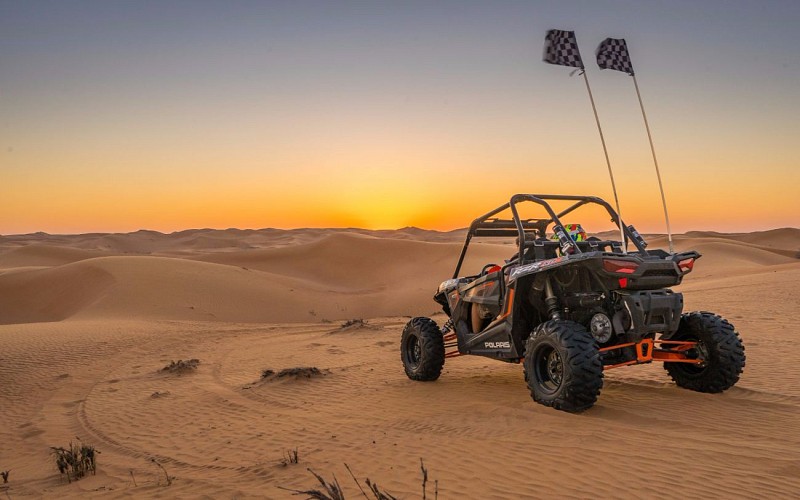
87 322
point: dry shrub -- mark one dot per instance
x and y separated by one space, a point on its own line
333 491
182 366
296 372
76 461
353 324
329 491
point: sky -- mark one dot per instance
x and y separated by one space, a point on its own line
169 115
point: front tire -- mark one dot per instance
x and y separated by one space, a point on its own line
718 344
563 368
422 349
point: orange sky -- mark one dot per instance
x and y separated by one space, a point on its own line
387 117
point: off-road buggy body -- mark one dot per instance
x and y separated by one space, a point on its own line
570 309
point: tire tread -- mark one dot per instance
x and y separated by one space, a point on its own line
432 346
585 368
725 344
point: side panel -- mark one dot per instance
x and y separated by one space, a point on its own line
493 337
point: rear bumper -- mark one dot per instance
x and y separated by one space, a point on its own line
652 311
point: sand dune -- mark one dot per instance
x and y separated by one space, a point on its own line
786 238
336 277
279 275
88 321
43 255
359 261
51 294
725 255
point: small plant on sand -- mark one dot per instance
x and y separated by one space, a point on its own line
290 457
332 490
425 482
76 461
355 323
296 372
182 366
329 491
5 474
164 470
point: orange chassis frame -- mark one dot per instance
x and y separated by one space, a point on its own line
670 351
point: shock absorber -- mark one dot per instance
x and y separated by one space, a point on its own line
550 300
447 327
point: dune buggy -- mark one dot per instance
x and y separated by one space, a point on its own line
569 307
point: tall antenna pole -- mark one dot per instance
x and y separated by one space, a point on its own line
655 161
610 172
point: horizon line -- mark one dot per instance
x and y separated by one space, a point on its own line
209 229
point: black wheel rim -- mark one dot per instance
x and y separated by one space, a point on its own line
413 351
548 369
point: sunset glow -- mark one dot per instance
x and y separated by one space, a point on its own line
118 117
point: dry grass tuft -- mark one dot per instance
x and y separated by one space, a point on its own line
181 366
329 491
290 457
296 372
76 461
333 491
353 324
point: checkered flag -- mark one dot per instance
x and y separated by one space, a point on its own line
560 47
612 53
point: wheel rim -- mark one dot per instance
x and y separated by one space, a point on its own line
413 351
548 369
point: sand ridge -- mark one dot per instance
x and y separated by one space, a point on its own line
282 275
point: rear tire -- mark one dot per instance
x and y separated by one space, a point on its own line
422 349
563 368
719 345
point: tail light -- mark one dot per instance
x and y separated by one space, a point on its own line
686 265
620 266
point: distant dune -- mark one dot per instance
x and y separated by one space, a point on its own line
275 275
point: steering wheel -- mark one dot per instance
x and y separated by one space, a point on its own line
486 268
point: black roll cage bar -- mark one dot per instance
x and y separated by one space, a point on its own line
485 225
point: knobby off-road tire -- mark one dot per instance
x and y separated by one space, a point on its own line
563 368
422 349
719 345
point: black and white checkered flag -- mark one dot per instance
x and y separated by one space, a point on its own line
612 53
560 47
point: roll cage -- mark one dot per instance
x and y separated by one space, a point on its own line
488 225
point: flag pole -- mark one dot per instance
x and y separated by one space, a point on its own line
608 164
655 161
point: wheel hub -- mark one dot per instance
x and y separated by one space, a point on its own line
414 351
554 367
548 369
702 354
